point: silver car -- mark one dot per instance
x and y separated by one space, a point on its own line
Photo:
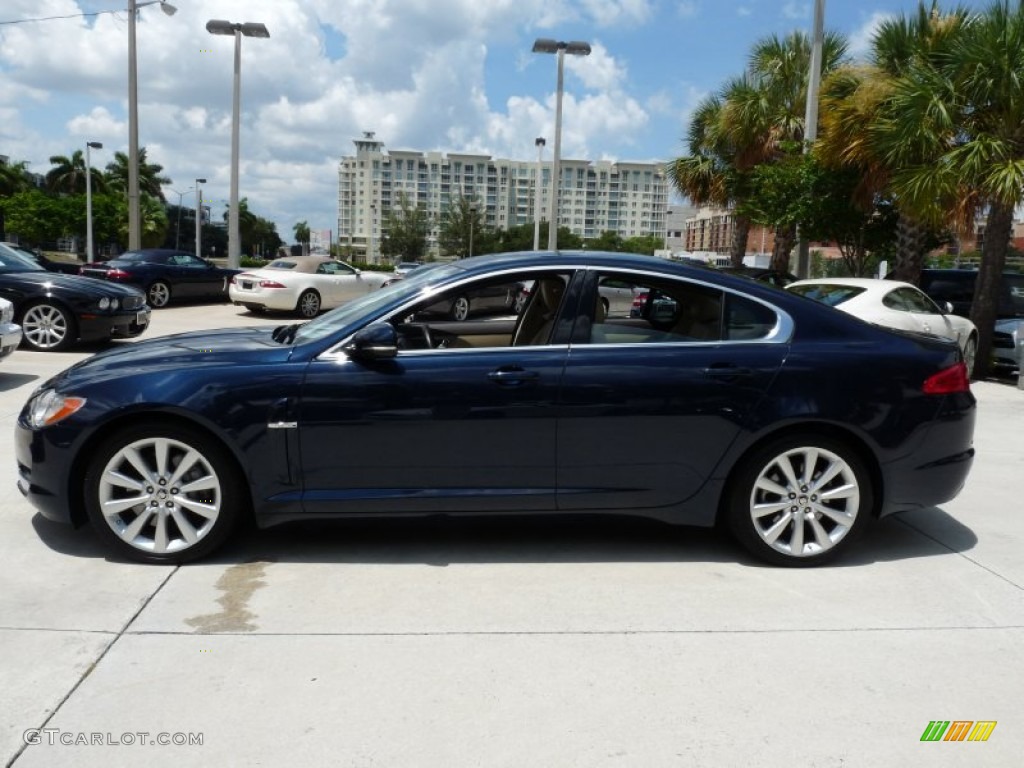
10 333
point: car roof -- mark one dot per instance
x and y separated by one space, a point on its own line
868 283
302 263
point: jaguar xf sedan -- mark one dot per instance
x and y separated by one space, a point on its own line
789 422
305 285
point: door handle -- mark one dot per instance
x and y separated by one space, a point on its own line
727 372
512 376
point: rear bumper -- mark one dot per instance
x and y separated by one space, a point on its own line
10 338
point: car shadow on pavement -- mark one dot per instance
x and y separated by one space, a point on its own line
9 381
560 539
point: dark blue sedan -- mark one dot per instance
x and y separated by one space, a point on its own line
789 421
165 275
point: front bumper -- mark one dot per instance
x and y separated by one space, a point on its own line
43 469
10 338
122 325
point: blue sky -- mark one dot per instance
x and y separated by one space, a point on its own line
449 75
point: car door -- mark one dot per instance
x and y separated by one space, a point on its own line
200 276
454 426
343 283
650 403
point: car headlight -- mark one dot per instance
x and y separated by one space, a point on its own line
48 407
104 303
6 314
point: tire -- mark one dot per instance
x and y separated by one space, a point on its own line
460 309
256 309
187 489
158 294
604 303
970 353
773 491
308 305
48 327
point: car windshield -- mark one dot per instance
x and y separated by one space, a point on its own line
828 293
132 256
281 264
421 281
12 261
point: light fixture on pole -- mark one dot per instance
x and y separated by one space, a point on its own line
177 227
199 218
134 216
575 48
247 29
539 141
88 198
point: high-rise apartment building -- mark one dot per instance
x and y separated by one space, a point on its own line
627 198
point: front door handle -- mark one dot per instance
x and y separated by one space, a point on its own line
512 376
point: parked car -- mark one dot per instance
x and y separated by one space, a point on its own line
893 304
10 332
791 422
762 274
956 286
305 285
165 275
56 311
403 268
50 265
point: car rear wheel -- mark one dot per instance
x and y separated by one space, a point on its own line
800 500
158 294
460 308
308 304
48 327
970 353
162 494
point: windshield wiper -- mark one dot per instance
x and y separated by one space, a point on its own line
285 334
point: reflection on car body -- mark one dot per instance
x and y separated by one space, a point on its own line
791 423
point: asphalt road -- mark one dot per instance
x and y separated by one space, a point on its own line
514 643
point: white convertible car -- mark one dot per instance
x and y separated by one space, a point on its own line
894 305
303 284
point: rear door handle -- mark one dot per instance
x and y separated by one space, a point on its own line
727 372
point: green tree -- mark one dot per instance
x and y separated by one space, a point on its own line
35 216
607 241
301 230
406 227
462 221
646 244
150 181
67 176
14 178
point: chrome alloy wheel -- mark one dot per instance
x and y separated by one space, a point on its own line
805 501
45 326
159 495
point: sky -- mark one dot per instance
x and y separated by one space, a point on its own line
441 75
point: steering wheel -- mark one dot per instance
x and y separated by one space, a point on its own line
425 329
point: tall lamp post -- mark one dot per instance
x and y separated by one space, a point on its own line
88 198
199 218
803 259
134 217
247 29
177 227
373 224
575 48
472 221
539 141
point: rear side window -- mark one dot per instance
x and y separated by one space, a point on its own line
833 295
746 320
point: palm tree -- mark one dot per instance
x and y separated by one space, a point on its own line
860 131
301 230
68 174
957 137
763 112
150 181
14 178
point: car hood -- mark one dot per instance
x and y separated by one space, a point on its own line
200 349
74 283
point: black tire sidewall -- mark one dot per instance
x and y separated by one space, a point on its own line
737 508
232 490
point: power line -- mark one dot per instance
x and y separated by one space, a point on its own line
53 18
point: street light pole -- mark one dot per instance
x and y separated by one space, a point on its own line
373 221
472 221
177 227
88 198
803 260
199 218
576 48
134 216
248 29
539 141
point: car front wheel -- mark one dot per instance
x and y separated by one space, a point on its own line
308 304
158 294
800 500
460 308
162 494
48 327
970 353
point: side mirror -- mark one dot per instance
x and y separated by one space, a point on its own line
358 271
375 342
948 307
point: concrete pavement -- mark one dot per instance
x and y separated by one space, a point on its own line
514 642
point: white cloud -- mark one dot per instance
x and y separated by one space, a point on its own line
860 39
797 11
599 70
607 13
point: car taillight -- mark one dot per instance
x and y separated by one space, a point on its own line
270 284
116 274
948 381
639 300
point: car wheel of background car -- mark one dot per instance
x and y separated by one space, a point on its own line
604 303
519 303
48 327
970 353
800 500
460 308
308 304
158 294
256 309
162 494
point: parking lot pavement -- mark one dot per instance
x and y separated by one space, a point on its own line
515 642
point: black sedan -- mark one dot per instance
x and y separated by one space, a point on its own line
165 275
55 311
789 421
50 265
